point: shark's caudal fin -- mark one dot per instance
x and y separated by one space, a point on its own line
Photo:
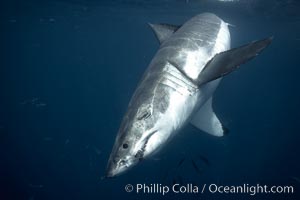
206 120
225 62
163 31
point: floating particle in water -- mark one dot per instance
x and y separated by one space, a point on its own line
85 8
38 105
12 20
229 0
30 101
67 141
76 27
36 102
156 159
38 186
51 20
48 139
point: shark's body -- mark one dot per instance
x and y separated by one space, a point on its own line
177 87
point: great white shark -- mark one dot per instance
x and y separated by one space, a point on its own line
177 87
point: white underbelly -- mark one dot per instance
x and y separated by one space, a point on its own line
170 122
180 111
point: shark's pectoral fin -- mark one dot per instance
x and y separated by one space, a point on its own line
206 120
227 61
163 31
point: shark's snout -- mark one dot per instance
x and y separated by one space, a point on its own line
111 170
109 174
116 168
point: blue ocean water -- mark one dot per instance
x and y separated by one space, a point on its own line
68 70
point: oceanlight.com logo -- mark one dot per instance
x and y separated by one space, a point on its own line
189 188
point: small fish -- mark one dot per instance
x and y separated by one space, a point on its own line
24 102
34 100
39 105
180 162
48 139
67 141
197 169
177 180
176 187
296 179
38 186
180 181
166 176
204 159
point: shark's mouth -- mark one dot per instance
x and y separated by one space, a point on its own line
140 153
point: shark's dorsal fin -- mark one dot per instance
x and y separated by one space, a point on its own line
225 62
163 31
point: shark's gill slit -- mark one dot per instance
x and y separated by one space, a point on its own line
178 68
144 115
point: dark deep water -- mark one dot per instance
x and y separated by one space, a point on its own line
69 68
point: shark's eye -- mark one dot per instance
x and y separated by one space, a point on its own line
125 146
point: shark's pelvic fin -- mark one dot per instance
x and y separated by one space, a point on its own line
225 62
206 120
163 31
